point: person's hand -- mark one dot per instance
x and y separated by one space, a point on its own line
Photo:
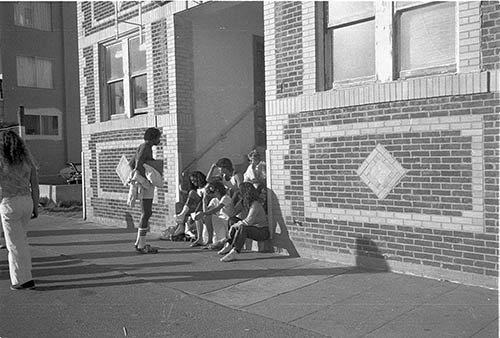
34 214
236 226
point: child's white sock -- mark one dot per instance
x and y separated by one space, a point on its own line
141 238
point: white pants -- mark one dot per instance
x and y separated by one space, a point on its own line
16 213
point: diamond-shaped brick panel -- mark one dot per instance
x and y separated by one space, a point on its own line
381 172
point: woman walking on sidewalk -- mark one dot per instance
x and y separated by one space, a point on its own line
19 203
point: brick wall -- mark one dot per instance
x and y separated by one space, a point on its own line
109 196
490 35
89 85
185 88
288 46
442 214
160 66
469 21
99 15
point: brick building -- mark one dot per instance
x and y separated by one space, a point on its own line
380 120
38 65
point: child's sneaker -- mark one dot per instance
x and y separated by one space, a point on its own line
25 286
225 249
231 256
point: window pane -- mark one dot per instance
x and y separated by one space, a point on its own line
43 73
116 104
114 62
26 71
340 12
354 57
23 14
140 92
42 16
137 56
50 125
427 36
32 124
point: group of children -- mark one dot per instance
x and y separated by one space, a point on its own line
224 206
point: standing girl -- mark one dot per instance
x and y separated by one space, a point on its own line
19 203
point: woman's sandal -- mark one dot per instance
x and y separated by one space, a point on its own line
195 244
148 249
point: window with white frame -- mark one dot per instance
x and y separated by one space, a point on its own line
423 40
34 72
37 15
123 78
351 40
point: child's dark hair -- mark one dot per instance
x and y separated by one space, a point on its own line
151 134
225 163
14 149
200 178
217 185
248 194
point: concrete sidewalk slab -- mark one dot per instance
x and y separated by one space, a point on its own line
91 283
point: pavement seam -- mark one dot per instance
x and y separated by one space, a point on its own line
409 310
484 328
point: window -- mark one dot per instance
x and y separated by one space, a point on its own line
351 38
124 78
426 38
34 72
35 15
360 40
45 125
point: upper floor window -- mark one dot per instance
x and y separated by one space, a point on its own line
123 78
35 15
367 40
351 39
34 72
425 38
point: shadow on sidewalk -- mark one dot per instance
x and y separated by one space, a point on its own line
68 232
125 271
117 241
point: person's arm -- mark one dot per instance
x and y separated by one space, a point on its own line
35 190
253 215
211 171
209 211
238 179
140 160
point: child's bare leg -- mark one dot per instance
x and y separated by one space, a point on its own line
199 233
210 229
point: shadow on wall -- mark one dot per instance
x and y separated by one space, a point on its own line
280 237
368 256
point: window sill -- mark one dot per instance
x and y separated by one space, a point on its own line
355 82
420 72
118 116
141 111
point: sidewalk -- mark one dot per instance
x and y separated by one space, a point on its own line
91 283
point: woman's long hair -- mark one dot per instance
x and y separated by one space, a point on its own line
200 178
248 194
14 150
